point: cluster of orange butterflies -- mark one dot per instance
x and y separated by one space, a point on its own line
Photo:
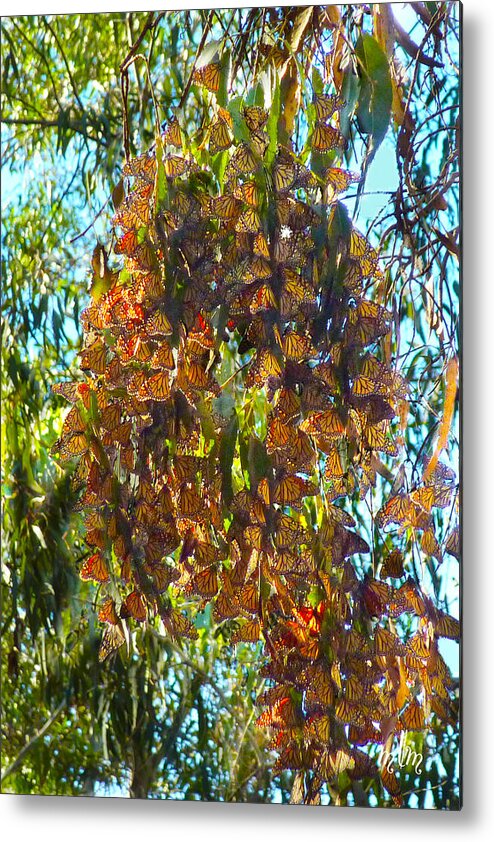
261 265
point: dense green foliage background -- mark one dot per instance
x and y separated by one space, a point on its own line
180 722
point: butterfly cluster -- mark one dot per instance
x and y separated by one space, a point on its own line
266 263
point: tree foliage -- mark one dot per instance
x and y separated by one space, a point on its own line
261 435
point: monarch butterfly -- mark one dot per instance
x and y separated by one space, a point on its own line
193 375
265 365
289 564
292 757
317 680
430 546
225 207
76 444
359 245
94 357
113 638
127 244
257 269
294 214
296 294
333 468
352 278
259 142
73 391
166 223
363 386
158 324
185 468
143 260
392 567
94 569
291 251
255 117
175 166
177 624
136 210
376 438
249 221
319 727
205 553
423 497
163 356
136 385
281 713
326 138
288 532
156 388
262 298
248 193
136 347
291 489
108 613
452 545
142 167
243 160
327 105
349 713
376 596
226 607
189 503
278 435
260 245
407 597
249 632
419 646
396 510
286 171
249 596
201 333
447 626
297 346
338 180
171 135
391 783
134 606
160 543
328 424
208 76
120 434
220 137
333 763
73 422
204 582
287 406
412 717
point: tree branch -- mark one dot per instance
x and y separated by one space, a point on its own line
34 739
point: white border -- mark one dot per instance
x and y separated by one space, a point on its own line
83 819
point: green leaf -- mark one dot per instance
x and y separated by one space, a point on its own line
349 92
255 95
317 81
240 130
39 535
259 462
376 92
227 452
272 126
225 71
162 187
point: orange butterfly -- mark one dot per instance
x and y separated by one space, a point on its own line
94 569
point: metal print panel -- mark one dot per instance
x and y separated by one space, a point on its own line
231 241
